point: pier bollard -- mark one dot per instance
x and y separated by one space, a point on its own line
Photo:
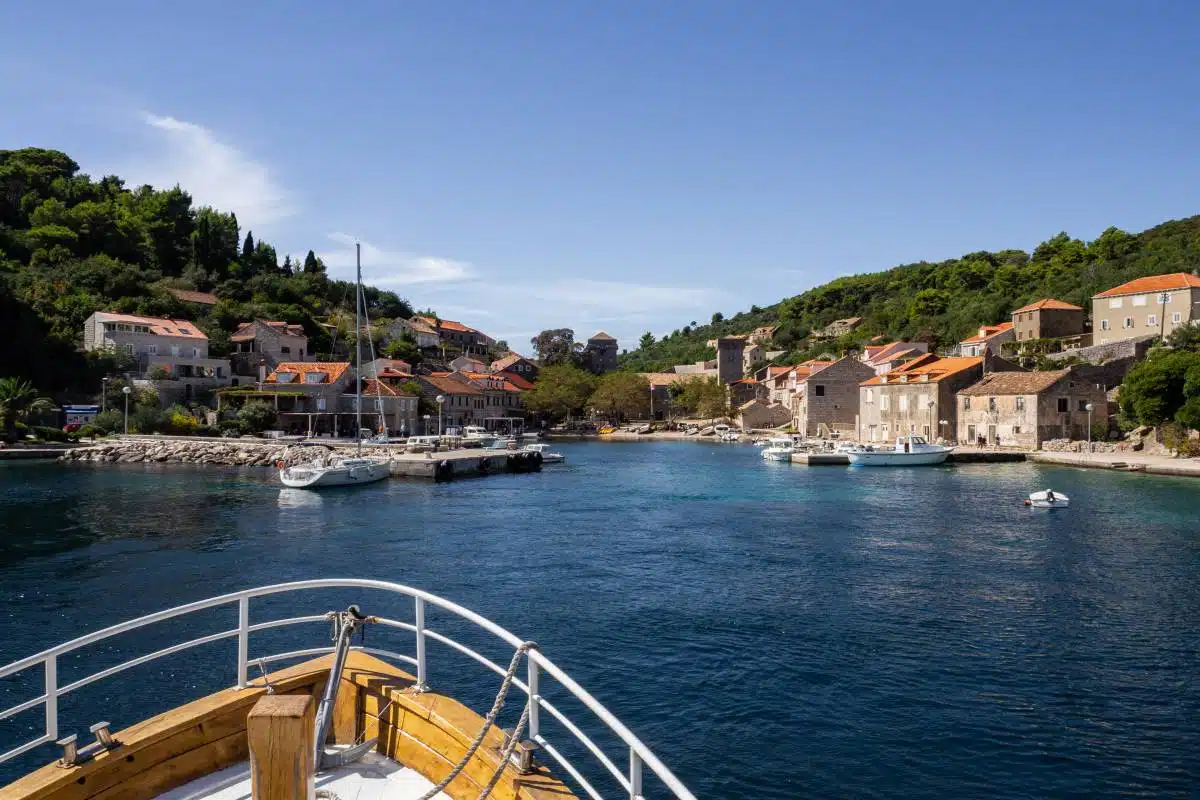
280 732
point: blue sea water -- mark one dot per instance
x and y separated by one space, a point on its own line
770 630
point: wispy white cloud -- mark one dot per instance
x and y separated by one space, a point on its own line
391 267
214 172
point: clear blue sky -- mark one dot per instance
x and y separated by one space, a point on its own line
632 165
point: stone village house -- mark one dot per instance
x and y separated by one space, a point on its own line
1156 305
258 346
827 398
1024 409
919 396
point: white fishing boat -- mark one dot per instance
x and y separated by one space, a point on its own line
1048 498
326 717
547 456
473 435
909 451
340 471
779 448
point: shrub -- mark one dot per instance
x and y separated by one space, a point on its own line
257 417
159 373
109 421
147 419
208 430
180 422
91 432
231 427
48 434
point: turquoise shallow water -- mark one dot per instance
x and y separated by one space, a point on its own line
770 630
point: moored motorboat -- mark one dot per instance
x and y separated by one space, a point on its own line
345 721
908 451
547 456
780 448
1048 498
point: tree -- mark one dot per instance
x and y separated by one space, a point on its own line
718 317
646 341
18 401
622 395
313 265
248 248
557 347
1155 390
561 390
1186 337
705 397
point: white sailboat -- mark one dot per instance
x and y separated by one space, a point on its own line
340 471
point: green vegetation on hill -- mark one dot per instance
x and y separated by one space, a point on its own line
943 302
71 245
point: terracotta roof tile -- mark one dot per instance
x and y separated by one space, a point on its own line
1048 303
516 380
447 385
987 332
1155 283
333 371
936 368
158 327
1016 382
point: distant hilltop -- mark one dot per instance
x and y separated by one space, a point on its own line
937 304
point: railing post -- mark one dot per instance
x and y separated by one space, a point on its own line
51 664
635 775
533 698
419 624
243 641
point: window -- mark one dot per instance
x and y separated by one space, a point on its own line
870 396
1176 317
1151 320
152 349
971 433
1128 322
904 402
129 349
1164 298
991 404
1103 324
1016 430
285 377
1139 300
286 350
925 430
185 331
820 389
1064 405
195 352
315 377
885 404
1115 302
301 352
1082 405
174 349
966 404
1020 403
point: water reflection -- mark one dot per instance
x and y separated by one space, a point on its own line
300 499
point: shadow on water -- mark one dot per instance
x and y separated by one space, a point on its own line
770 629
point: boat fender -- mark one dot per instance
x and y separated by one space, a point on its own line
279 464
1028 502
537 460
484 465
444 471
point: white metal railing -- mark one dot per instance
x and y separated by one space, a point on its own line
629 778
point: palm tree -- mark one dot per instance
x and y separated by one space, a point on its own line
18 399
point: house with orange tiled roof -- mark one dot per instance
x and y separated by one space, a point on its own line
1047 318
518 364
885 357
989 339
452 332
171 355
1024 409
1155 305
257 346
920 396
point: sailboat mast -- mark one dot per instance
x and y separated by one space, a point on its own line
358 345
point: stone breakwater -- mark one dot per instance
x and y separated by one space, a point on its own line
235 453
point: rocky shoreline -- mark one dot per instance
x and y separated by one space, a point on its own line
235 453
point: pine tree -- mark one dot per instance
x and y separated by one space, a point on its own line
248 247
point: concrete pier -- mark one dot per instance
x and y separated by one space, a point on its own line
956 457
452 464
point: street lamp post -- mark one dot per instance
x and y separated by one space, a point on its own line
104 392
441 401
932 405
652 401
126 391
1089 408
426 424
942 423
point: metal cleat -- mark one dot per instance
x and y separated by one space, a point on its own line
104 739
70 754
522 757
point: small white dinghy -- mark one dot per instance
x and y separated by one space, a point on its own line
1048 499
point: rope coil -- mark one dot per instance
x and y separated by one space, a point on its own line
509 746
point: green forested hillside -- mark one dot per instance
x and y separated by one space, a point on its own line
942 302
71 245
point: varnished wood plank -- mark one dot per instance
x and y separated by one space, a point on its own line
189 766
279 730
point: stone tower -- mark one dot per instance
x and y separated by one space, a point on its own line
729 358
600 354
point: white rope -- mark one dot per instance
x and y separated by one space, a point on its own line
505 685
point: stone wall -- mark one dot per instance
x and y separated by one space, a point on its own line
174 451
1101 353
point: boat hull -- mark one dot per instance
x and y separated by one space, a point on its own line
776 455
894 459
323 477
